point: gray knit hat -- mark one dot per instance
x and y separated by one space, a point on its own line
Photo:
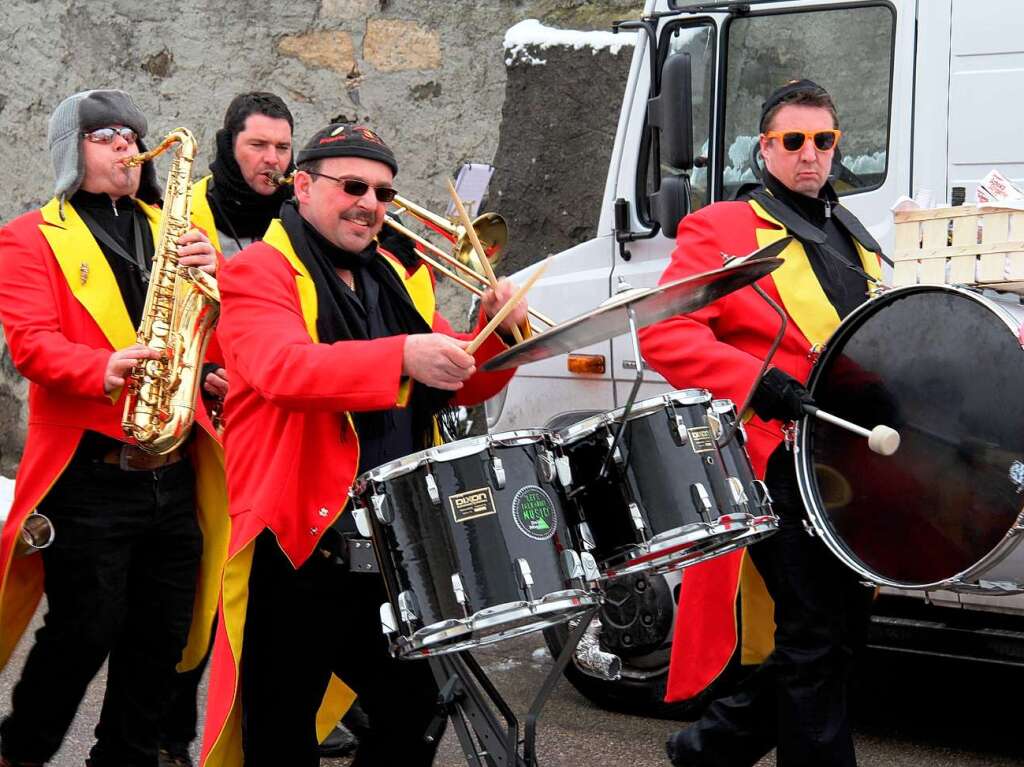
81 113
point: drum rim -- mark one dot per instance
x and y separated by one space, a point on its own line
451 451
803 457
581 429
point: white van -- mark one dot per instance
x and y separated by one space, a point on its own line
930 96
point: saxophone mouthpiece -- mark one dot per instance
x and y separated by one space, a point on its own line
276 178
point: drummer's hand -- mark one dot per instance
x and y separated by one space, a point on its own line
437 360
781 397
495 298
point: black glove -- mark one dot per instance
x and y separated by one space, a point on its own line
780 397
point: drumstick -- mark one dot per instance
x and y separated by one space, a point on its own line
504 311
881 439
485 262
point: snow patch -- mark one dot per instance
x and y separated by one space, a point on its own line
531 33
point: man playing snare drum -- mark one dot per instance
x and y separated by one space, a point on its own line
338 363
796 700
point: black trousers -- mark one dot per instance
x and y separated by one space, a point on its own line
797 699
178 727
120 582
301 626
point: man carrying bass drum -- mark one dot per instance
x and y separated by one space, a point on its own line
797 699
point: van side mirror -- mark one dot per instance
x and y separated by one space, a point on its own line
671 113
671 203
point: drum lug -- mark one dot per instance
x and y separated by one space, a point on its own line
572 565
382 509
764 498
361 520
435 496
525 576
591 572
586 536
545 466
407 608
739 497
459 589
564 470
1017 475
638 518
809 529
388 622
617 456
701 501
499 472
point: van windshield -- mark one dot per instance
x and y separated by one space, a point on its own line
848 51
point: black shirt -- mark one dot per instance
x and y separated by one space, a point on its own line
845 287
121 221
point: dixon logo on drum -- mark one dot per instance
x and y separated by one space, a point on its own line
472 504
534 513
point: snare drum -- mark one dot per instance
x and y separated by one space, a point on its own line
671 497
944 367
472 543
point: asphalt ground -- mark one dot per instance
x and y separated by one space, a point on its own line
911 711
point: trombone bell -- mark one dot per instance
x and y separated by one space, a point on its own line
491 230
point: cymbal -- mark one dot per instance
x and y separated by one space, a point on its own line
611 318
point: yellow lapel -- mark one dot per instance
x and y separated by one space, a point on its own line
87 272
277 238
801 293
202 215
420 288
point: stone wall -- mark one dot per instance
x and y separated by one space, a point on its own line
429 76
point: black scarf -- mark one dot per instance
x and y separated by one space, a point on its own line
237 209
339 317
826 230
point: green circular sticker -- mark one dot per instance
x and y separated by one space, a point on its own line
534 513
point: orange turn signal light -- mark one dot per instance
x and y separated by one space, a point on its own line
590 364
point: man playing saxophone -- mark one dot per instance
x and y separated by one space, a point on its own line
121 574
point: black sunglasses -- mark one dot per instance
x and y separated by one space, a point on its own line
106 135
357 187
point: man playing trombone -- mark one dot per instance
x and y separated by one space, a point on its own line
339 362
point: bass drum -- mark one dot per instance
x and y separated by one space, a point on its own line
944 367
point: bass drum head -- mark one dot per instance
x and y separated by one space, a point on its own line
945 370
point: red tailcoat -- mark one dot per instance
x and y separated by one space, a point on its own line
721 348
63 315
292 451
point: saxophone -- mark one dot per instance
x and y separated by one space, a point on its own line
182 305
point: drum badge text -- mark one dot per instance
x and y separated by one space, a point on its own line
534 513
472 504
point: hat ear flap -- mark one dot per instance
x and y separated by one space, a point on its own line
149 189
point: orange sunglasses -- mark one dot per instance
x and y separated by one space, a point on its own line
793 140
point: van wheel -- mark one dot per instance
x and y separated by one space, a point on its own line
636 624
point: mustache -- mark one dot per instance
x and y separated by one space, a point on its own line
361 217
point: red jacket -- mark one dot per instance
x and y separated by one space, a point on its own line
63 315
721 348
292 452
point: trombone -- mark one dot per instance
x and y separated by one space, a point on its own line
490 228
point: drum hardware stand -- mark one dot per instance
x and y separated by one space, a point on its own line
469 698
764 367
634 336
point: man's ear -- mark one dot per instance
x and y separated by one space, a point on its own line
301 184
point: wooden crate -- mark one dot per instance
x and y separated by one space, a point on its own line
960 246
